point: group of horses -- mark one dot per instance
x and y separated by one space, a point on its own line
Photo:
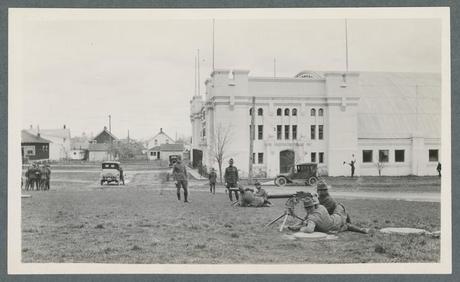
37 178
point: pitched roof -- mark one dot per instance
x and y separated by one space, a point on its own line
59 132
160 133
171 147
108 132
98 147
27 137
156 148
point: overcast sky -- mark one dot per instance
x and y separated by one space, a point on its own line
77 72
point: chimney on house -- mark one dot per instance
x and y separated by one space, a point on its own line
64 126
105 127
31 126
161 130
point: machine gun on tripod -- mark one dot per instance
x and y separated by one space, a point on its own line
289 206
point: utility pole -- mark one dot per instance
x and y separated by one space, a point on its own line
199 93
110 123
251 138
346 45
274 67
213 43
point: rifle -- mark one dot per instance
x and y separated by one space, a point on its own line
289 206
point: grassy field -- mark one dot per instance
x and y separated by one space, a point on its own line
78 221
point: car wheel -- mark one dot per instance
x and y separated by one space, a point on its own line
312 180
280 181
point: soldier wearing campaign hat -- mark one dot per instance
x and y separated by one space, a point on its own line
231 179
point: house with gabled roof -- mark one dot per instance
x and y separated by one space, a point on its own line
100 147
34 147
60 146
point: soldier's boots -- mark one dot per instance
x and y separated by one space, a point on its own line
178 196
185 197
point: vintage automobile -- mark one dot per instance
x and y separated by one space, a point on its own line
173 159
304 174
112 173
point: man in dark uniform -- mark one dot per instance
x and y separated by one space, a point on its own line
231 179
318 219
180 176
438 168
261 193
326 200
212 181
48 176
122 175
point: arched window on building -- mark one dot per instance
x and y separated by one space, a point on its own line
320 112
286 112
294 112
312 112
278 112
250 111
260 112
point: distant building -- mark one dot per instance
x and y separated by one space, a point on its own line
101 147
34 147
79 148
160 138
60 141
154 144
383 119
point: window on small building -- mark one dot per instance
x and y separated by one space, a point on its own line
286 132
313 157
260 132
294 112
260 158
320 132
399 156
294 132
384 156
367 156
320 112
250 111
312 112
312 132
260 112
278 112
286 112
321 157
279 130
155 142
433 155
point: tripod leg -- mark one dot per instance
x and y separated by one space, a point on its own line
275 220
284 222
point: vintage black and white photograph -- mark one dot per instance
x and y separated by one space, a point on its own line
229 141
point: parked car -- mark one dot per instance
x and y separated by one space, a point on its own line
112 173
304 174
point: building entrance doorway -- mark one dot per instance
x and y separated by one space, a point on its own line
287 160
197 158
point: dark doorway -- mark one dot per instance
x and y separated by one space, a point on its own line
197 158
287 159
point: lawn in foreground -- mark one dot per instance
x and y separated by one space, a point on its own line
134 225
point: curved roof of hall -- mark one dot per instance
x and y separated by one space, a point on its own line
399 105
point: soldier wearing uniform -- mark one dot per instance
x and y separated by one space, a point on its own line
231 179
212 181
324 198
180 176
318 219
261 193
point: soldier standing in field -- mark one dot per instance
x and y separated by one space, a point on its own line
180 176
231 179
212 181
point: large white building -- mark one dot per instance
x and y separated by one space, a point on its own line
391 120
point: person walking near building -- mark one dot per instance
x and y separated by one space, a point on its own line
180 176
231 179
352 164
212 181
438 168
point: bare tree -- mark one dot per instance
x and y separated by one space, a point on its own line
222 138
